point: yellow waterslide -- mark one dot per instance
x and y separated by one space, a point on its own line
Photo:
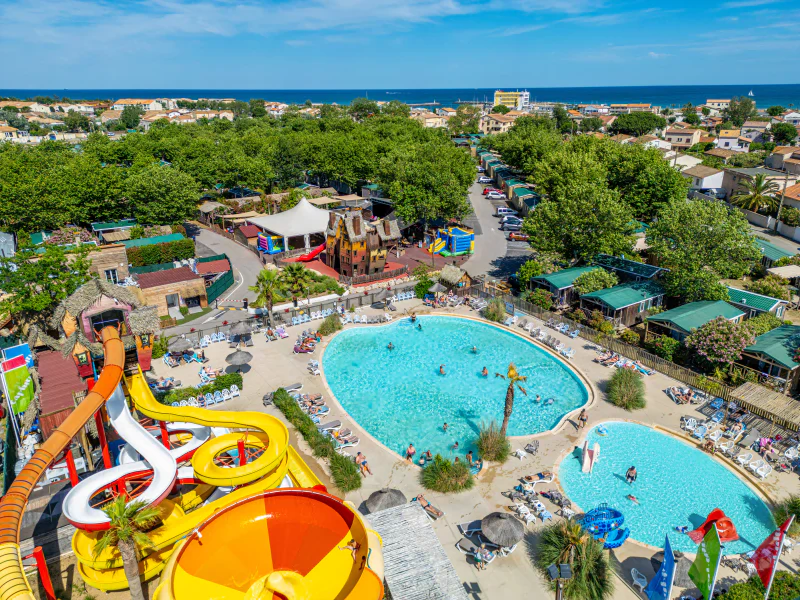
264 473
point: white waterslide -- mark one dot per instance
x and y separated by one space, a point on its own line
162 462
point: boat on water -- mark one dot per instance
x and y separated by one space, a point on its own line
751 94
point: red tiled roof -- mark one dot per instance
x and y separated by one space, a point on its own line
59 379
249 231
214 266
149 280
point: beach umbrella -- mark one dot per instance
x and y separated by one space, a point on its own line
380 296
241 328
238 358
385 498
180 345
502 529
437 288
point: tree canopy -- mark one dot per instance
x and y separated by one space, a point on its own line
638 123
740 110
784 133
500 109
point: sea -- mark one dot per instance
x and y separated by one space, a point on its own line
665 96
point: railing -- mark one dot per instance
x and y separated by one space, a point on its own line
362 279
280 258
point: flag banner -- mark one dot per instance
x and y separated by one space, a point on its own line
765 558
19 350
13 363
703 571
660 586
19 386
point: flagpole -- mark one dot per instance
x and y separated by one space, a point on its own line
716 568
778 557
674 570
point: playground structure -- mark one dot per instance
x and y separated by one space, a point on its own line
270 244
606 524
309 256
453 241
236 460
589 456
355 246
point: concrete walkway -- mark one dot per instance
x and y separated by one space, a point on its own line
246 265
514 576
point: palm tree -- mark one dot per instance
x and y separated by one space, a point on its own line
296 278
566 542
514 379
127 533
269 287
756 194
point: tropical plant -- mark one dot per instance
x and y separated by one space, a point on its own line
446 476
629 336
269 287
127 532
598 322
626 389
785 586
495 310
566 542
541 298
297 279
757 194
790 216
594 280
514 380
161 346
789 506
492 444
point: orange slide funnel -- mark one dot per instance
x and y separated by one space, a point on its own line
293 544
13 584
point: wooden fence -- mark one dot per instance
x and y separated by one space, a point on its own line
362 279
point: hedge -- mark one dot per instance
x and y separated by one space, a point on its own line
220 383
142 256
343 469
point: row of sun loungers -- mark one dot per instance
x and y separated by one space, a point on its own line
365 320
210 399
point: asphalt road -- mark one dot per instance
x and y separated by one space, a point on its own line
775 238
494 255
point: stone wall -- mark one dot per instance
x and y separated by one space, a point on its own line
112 256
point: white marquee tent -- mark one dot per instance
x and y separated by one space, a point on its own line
304 219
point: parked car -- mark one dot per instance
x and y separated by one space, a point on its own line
481 169
502 211
495 196
511 219
486 190
484 179
717 193
518 236
511 227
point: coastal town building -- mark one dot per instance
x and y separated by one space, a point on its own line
683 139
143 103
519 100
719 104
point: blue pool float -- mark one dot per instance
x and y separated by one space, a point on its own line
601 430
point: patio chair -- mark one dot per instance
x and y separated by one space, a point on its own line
234 390
690 424
791 453
744 459
210 399
639 580
226 394
756 465
763 472
204 342
218 397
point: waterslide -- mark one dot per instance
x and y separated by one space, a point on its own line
13 584
437 246
311 255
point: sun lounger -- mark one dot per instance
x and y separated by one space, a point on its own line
715 435
469 529
431 511
690 424
726 446
330 426
744 459
764 471
791 453
700 432
751 438
756 465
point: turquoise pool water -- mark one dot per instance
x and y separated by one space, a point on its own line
676 485
399 396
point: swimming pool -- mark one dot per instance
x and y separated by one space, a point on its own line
677 484
399 396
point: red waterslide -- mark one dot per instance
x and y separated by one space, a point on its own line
311 255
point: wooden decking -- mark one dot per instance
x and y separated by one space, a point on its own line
417 567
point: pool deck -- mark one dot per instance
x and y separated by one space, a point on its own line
275 365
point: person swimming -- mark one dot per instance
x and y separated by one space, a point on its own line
485 372
682 529
441 370
538 399
632 498
390 346
419 326
474 350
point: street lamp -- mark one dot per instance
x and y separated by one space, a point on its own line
559 574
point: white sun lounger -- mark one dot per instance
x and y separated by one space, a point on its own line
756 465
744 459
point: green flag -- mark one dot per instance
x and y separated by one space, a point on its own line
20 388
704 568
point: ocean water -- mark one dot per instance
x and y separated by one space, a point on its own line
667 96
677 484
399 397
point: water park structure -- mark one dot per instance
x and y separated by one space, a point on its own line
355 246
453 241
209 472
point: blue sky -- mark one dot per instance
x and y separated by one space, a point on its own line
321 44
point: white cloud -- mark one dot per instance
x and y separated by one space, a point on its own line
747 3
658 54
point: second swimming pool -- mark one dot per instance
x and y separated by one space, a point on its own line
399 397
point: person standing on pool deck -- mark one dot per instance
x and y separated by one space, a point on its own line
583 418
630 476
410 452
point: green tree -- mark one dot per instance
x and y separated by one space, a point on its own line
692 119
706 111
594 280
395 108
466 120
35 283
543 263
269 288
663 346
257 108
740 109
361 108
771 285
75 121
694 283
515 380
162 195
541 298
127 533
561 116
638 123
591 124
566 542
130 116
757 194
784 133
500 109
762 324
775 111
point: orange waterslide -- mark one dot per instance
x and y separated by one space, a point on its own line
13 583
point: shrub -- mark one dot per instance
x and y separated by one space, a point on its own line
492 444
330 325
220 383
179 229
137 232
785 586
719 341
592 281
142 256
771 285
541 298
422 287
762 324
663 346
626 389
445 476
786 508
495 310
160 346
577 315
629 336
344 471
184 310
599 323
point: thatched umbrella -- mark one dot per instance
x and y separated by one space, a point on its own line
238 358
502 529
241 328
437 288
180 345
380 296
385 498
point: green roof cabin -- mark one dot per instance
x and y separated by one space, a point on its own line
159 239
754 304
625 304
101 228
628 270
771 356
679 322
770 252
560 284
